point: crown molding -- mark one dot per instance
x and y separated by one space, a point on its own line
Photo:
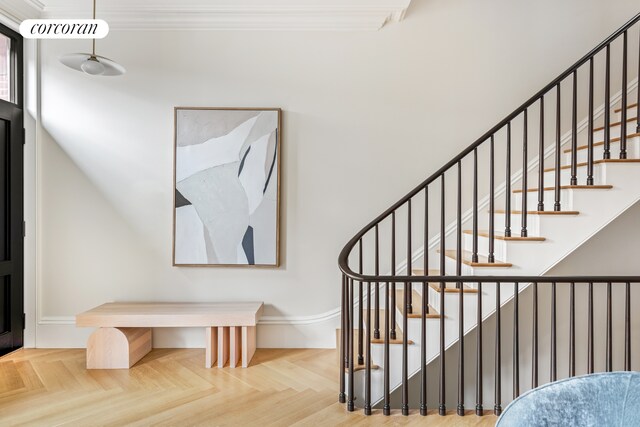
177 15
19 10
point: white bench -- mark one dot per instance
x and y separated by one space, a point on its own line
124 334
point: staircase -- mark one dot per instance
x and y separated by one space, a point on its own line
466 243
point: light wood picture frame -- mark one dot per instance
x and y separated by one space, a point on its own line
226 164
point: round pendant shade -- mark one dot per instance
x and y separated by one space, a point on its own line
92 64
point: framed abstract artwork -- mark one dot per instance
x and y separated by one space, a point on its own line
226 187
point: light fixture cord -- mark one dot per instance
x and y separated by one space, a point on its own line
94 18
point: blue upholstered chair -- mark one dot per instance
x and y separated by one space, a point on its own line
607 399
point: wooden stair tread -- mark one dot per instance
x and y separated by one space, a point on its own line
569 187
629 120
513 238
483 261
502 211
416 304
600 143
595 162
450 287
629 106
356 367
399 335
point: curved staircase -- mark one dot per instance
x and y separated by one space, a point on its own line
466 243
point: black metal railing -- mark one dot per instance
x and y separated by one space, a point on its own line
378 241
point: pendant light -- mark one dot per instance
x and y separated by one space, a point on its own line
91 63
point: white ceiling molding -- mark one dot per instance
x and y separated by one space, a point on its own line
19 10
181 15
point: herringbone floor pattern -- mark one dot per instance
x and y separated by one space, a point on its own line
172 387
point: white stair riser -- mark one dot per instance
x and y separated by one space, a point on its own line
570 199
581 175
631 112
633 151
500 246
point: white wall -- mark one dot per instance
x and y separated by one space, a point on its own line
367 115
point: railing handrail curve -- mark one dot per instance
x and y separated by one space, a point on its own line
346 251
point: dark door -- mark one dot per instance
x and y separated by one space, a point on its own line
11 193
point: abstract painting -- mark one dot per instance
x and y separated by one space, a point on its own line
227 180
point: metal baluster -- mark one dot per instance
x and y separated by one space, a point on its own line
342 398
442 408
523 232
474 256
376 319
623 113
572 330
534 345
405 356
409 296
516 341
393 273
425 250
497 407
607 105
492 211
590 342
554 341
360 313
590 136
367 373
479 410
609 358
386 409
425 305
460 407
638 91
574 131
627 326
507 195
541 158
556 205
350 404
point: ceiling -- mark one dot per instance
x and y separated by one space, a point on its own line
320 15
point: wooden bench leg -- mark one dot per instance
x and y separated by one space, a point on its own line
223 346
248 344
236 345
117 348
211 346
